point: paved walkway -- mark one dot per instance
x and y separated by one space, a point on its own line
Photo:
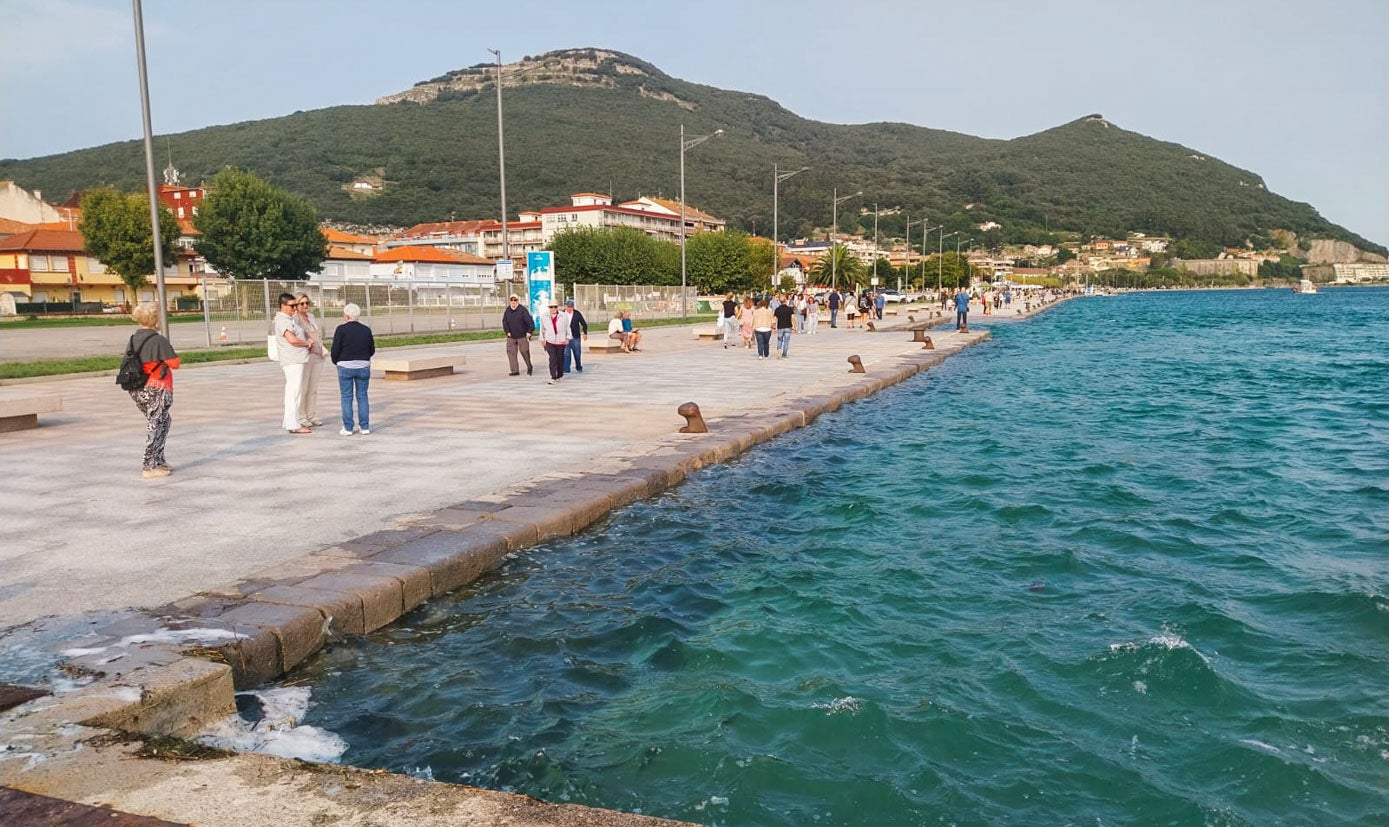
83 533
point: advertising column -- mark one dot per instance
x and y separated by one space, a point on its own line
540 282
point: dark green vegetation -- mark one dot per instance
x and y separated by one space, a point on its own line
714 262
251 229
440 159
116 229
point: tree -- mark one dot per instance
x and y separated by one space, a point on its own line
720 262
251 230
116 231
617 255
838 264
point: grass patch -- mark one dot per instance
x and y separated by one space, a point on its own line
90 364
162 747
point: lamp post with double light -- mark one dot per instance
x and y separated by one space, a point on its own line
834 225
777 178
685 144
907 259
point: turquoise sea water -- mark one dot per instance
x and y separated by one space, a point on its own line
1125 564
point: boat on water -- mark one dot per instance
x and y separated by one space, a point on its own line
1305 286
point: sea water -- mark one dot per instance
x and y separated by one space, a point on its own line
1123 564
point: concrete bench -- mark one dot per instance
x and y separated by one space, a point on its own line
419 367
604 345
18 413
709 333
889 311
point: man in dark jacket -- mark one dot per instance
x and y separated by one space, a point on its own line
833 301
578 334
518 324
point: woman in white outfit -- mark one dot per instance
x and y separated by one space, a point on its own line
292 352
313 368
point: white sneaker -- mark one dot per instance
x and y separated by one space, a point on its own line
364 431
344 432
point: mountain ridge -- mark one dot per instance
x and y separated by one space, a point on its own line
585 119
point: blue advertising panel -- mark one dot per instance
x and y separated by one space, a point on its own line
540 282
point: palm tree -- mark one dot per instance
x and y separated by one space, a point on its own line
839 264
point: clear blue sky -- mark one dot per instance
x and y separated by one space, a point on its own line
1294 90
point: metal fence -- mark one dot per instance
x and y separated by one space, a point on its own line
241 312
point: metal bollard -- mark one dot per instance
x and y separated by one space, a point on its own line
694 421
872 328
857 364
930 345
919 335
911 318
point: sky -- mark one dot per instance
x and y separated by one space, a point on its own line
1296 91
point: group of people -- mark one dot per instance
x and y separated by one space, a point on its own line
754 319
300 353
563 330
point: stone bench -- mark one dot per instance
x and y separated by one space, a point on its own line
889 311
419 367
18 413
604 345
712 334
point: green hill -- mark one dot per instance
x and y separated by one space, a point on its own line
588 119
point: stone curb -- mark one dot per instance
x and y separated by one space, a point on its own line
282 615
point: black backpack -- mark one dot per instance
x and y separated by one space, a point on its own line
132 376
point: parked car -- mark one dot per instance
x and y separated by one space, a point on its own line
892 296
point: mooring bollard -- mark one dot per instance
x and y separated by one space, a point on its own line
911 318
929 345
872 328
694 422
857 364
919 335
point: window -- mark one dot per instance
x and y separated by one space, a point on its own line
120 295
95 267
38 264
180 212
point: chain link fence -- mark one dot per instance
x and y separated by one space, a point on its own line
242 312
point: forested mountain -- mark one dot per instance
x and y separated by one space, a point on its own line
594 120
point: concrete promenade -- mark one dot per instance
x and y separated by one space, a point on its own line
273 543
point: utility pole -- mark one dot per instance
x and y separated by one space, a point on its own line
501 156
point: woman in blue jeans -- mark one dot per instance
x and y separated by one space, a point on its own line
353 347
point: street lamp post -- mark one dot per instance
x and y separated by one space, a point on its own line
940 256
958 242
684 145
926 239
777 178
160 296
501 155
907 259
834 225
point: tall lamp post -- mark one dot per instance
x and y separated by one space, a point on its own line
777 178
161 299
907 259
926 239
501 155
684 145
940 256
834 225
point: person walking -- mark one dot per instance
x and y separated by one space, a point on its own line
353 347
762 321
730 320
292 352
554 332
745 321
578 334
879 302
518 325
834 300
962 311
812 315
850 309
313 367
785 326
158 360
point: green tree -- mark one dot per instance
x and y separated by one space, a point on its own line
252 230
1064 254
116 231
719 262
617 255
837 265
